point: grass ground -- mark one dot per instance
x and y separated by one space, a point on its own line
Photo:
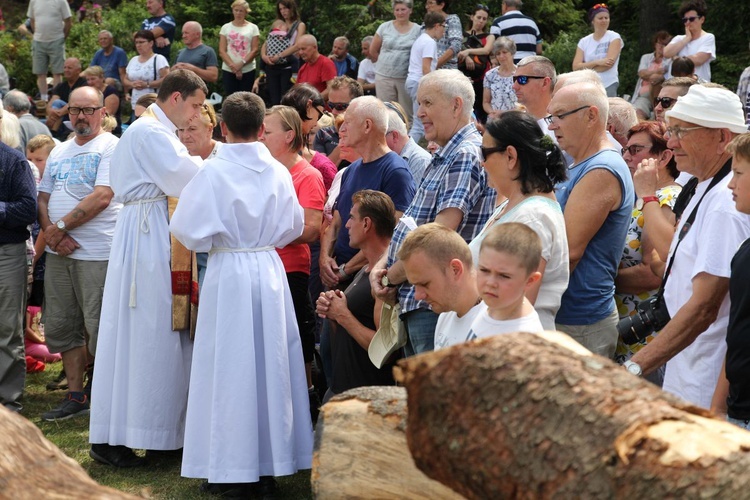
159 480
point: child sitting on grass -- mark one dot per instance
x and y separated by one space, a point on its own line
508 262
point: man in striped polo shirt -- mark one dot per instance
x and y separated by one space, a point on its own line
519 28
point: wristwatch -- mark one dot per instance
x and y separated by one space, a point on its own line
342 272
60 225
633 368
646 199
386 282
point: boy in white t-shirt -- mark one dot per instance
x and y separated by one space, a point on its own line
508 261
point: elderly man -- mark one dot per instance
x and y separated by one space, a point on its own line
366 72
196 56
18 103
111 58
57 109
709 231
597 201
343 91
518 27
620 119
50 23
399 141
453 192
319 71
78 217
346 64
141 379
533 83
17 211
161 24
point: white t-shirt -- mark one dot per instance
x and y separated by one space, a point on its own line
48 18
240 42
451 330
593 50
366 71
708 247
424 47
707 44
71 174
484 326
545 217
137 70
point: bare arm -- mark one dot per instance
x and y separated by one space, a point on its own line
687 324
311 232
162 74
88 208
700 58
210 74
328 267
719 400
375 46
487 101
66 26
426 65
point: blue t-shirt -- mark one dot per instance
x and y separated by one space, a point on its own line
112 63
165 22
347 67
589 297
389 174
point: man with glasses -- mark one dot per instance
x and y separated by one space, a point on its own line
518 27
709 231
533 83
597 201
78 216
695 44
670 91
343 91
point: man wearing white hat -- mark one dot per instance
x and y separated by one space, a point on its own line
709 231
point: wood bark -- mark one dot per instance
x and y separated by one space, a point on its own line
361 452
522 416
31 467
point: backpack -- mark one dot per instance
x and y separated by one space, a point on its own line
481 63
276 43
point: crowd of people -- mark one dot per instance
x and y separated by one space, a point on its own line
190 271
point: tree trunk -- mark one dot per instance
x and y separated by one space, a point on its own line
361 452
521 416
31 467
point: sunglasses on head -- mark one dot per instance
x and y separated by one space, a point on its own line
338 106
666 102
690 19
481 6
600 6
524 79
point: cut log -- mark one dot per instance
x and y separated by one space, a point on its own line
31 467
522 416
361 452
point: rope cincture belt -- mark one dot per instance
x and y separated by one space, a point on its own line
143 227
240 250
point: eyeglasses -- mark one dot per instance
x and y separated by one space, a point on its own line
690 19
524 79
679 132
139 42
666 102
86 111
338 106
550 118
486 152
633 149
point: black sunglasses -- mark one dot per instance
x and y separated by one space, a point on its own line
666 102
524 79
690 19
338 106
481 6
486 152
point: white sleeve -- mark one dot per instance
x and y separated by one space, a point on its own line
196 219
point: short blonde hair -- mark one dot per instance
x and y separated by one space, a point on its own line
290 120
40 141
241 3
93 71
517 240
109 123
208 114
439 243
740 146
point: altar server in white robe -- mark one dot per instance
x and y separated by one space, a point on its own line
248 414
142 370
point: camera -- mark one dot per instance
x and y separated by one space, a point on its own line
651 315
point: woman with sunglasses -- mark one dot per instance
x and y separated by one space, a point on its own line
651 71
523 164
474 61
696 44
498 94
652 225
600 51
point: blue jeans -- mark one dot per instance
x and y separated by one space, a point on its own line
745 424
417 129
420 329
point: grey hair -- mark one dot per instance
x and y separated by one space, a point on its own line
504 43
197 24
373 108
588 93
621 115
16 101
10 130
542 66
106 32
396 124
342 39
409 4
580 76
452 83
368 39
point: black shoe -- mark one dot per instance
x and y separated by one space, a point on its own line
227 490
267 488
314 404
116 456
158 455
60 383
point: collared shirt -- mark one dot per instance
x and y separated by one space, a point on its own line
743 90
417 158
453 179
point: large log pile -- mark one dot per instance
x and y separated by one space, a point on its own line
31 467
525 416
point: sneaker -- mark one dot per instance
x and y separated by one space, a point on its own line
68 409
89 377
60 383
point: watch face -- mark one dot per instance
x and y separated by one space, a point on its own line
639 204
60 224
384 281
635 369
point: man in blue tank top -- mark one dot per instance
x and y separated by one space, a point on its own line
597 200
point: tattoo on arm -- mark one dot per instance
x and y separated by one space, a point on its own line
78 213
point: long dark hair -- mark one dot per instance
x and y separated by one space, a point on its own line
540 160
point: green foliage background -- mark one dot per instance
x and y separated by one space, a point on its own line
562 22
